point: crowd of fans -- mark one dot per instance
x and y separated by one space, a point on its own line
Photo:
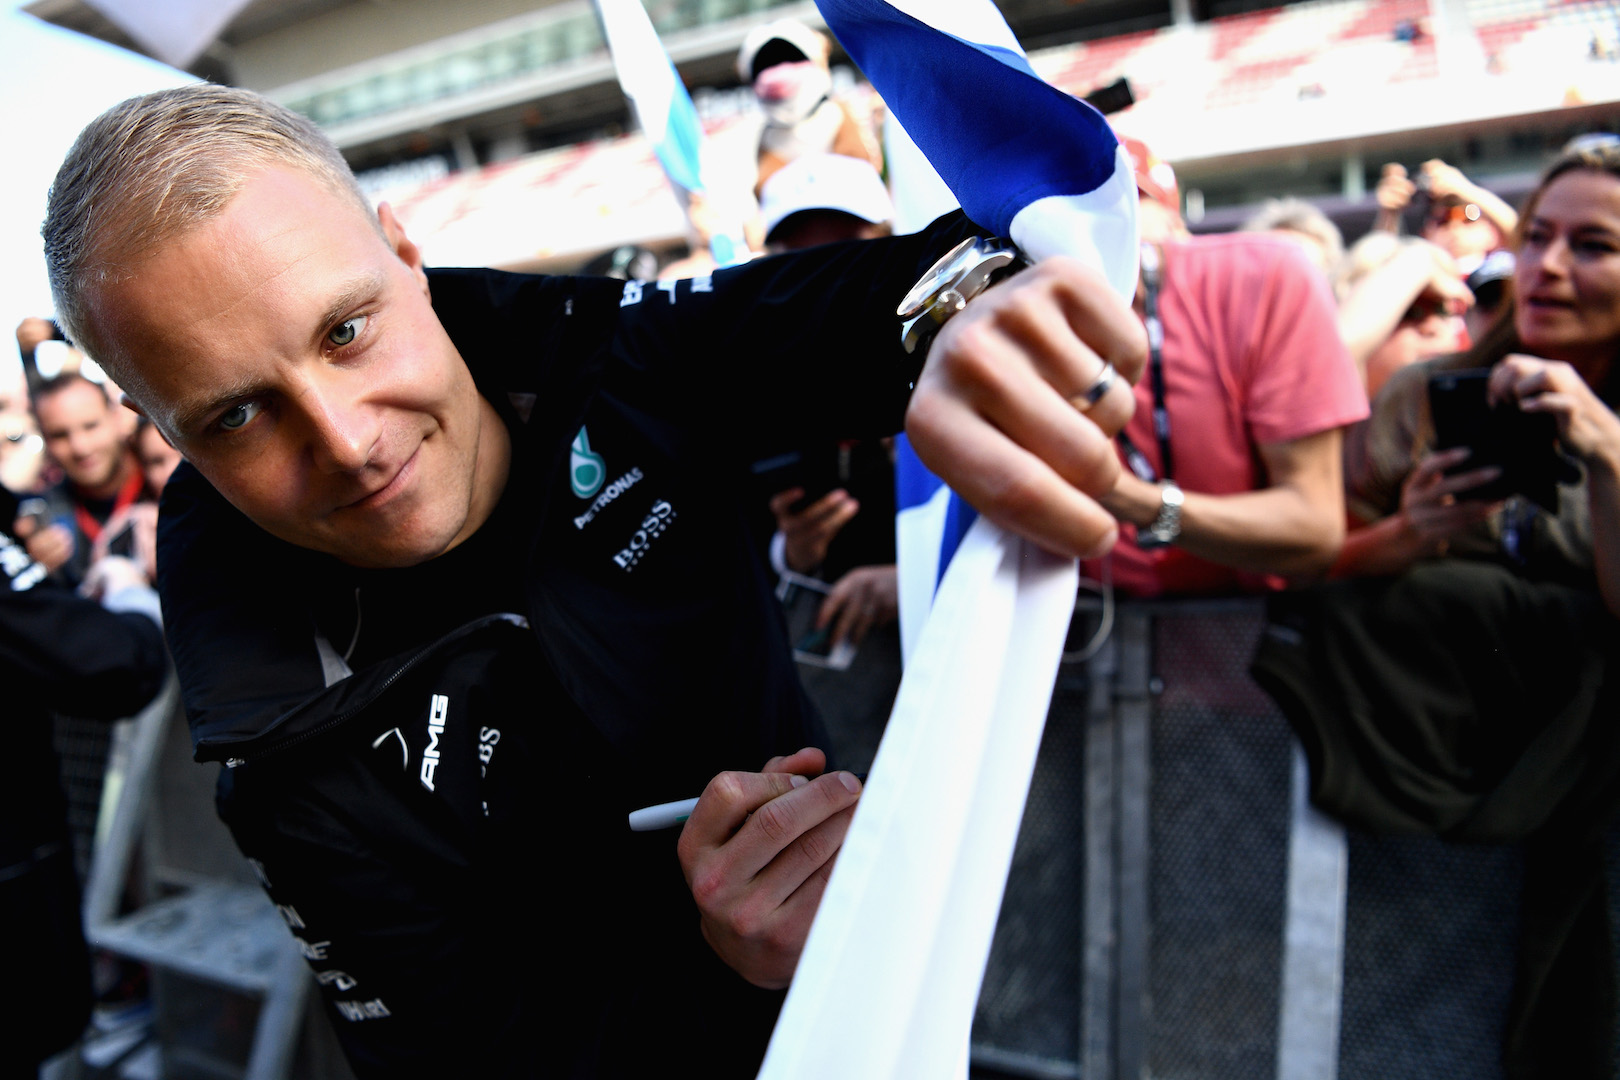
1303 418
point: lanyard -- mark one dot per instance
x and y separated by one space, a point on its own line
1134 457
89 526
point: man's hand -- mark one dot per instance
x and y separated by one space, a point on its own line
48 545
757 852
995 412
808 532
865 597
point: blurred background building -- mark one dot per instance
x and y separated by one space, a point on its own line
498 130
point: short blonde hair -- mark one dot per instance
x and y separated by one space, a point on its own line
155 166
1298 216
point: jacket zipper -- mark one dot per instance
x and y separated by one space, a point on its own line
394 676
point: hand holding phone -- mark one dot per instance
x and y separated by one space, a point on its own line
1522 445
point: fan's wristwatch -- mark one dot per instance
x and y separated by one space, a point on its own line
963 273
1164 529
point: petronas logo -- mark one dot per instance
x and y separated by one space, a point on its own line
586 469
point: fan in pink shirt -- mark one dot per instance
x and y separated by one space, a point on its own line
1253 392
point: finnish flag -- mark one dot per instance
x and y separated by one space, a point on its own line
1025 159
886 986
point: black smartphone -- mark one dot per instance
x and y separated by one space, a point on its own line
1523 445
124 542
816 471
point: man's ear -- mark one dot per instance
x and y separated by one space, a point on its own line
408 252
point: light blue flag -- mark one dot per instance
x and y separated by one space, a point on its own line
1025 159
663 107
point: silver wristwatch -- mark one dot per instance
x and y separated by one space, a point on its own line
961 274
1167 526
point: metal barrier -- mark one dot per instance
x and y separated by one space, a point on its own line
1174 910
205 925
1177 910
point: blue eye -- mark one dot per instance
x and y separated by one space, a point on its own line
346 331
237 416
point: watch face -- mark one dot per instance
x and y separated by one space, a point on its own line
938 275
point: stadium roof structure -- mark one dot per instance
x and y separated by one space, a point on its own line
501 125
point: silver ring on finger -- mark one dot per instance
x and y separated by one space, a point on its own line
1087 399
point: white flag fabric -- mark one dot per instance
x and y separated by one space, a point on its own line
648 77
663 107
886 987
888 981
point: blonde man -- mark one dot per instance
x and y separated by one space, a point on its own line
455 576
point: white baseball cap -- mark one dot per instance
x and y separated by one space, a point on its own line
809 42
825 182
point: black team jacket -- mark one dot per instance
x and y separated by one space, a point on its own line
431 768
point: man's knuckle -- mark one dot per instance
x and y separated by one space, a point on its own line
1096 464
752 922
1019 497
775 822
708 887
816 847
1065 270
969 353
782 937
730 788
1132 355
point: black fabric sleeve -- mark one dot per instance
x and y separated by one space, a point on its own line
83 659
785 350
73 654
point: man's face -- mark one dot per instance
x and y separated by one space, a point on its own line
288 349
80 435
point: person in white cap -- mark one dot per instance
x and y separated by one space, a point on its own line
823 198
786 63
843 537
